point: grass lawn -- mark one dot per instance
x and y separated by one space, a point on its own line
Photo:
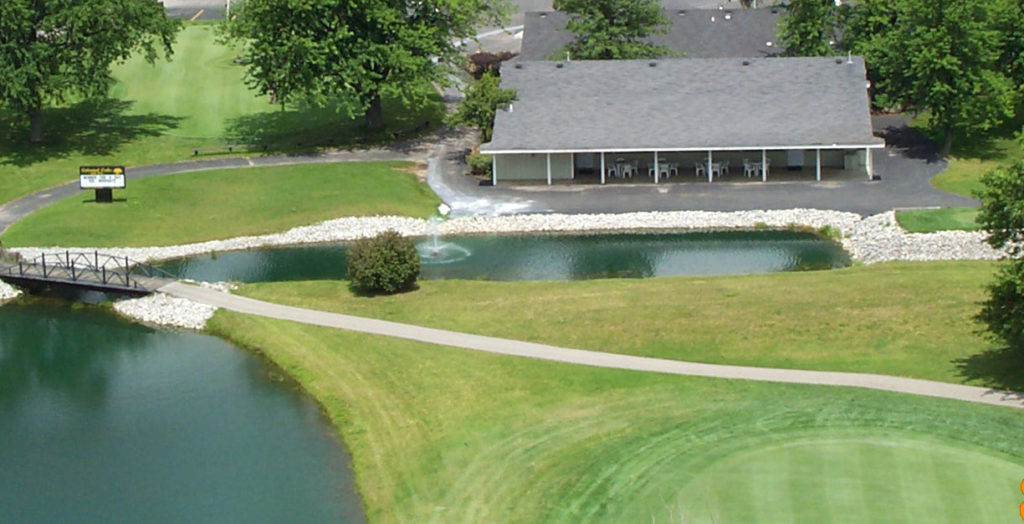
931 220
203 85
209 205
969 159
908 319
160 113
446 435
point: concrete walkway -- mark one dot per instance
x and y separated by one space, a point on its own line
591 358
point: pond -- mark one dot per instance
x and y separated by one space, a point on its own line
103 420
543 257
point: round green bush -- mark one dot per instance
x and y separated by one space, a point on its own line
384 264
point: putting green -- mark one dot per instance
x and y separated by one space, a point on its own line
853 478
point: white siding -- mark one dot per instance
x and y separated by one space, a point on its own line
533 166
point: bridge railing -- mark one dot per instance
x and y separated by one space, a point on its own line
90 267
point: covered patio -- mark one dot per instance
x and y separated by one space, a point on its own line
662 121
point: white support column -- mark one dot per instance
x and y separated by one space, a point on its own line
764 165
867 163
572 165
604 170
494 170
710 176
656 170
817 164
549 168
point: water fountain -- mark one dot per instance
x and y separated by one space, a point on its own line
433 251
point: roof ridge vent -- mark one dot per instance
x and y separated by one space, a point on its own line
746 62
559 65
518 65
653 63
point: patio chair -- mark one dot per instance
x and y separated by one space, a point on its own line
725 167
673 169
613 171
699 169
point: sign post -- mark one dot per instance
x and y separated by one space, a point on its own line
103 179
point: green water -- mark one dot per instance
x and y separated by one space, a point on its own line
543 257
102 420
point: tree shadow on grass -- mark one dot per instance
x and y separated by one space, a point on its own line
91 127
302 126
1000 368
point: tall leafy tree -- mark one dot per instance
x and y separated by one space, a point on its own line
614 29
940 57
809 28
1002 216
483 97
353 51
51 50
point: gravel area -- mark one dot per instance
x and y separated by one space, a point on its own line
166 310
8 292
876 238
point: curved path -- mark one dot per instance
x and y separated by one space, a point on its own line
591 358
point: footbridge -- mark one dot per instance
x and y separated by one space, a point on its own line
88 270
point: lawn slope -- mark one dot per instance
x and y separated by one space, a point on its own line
448 435
907 319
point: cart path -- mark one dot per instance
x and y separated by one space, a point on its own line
591 358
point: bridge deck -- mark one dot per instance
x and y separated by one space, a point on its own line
86 270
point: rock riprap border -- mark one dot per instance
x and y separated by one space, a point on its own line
8 292
877 238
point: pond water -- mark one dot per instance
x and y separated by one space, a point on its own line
103 420
543 257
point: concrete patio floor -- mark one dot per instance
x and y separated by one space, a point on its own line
906 166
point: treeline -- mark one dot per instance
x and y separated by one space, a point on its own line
961 61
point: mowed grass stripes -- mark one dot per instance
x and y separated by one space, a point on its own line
204 83
447 435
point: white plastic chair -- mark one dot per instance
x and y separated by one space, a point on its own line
699 169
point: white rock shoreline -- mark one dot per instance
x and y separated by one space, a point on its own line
870 240
8 292
876 238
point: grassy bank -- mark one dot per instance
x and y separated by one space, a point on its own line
161 113
447 435
931 220
969 159
909 319
226 203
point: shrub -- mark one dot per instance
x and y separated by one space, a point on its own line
384 264
479 164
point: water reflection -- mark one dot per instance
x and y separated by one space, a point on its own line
59 353
547 257
102 420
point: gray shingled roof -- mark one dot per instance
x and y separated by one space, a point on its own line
680 104
697 33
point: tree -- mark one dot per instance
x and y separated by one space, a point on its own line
809 28
1002 216
353 51
939 57
483 97
51 50
614 29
